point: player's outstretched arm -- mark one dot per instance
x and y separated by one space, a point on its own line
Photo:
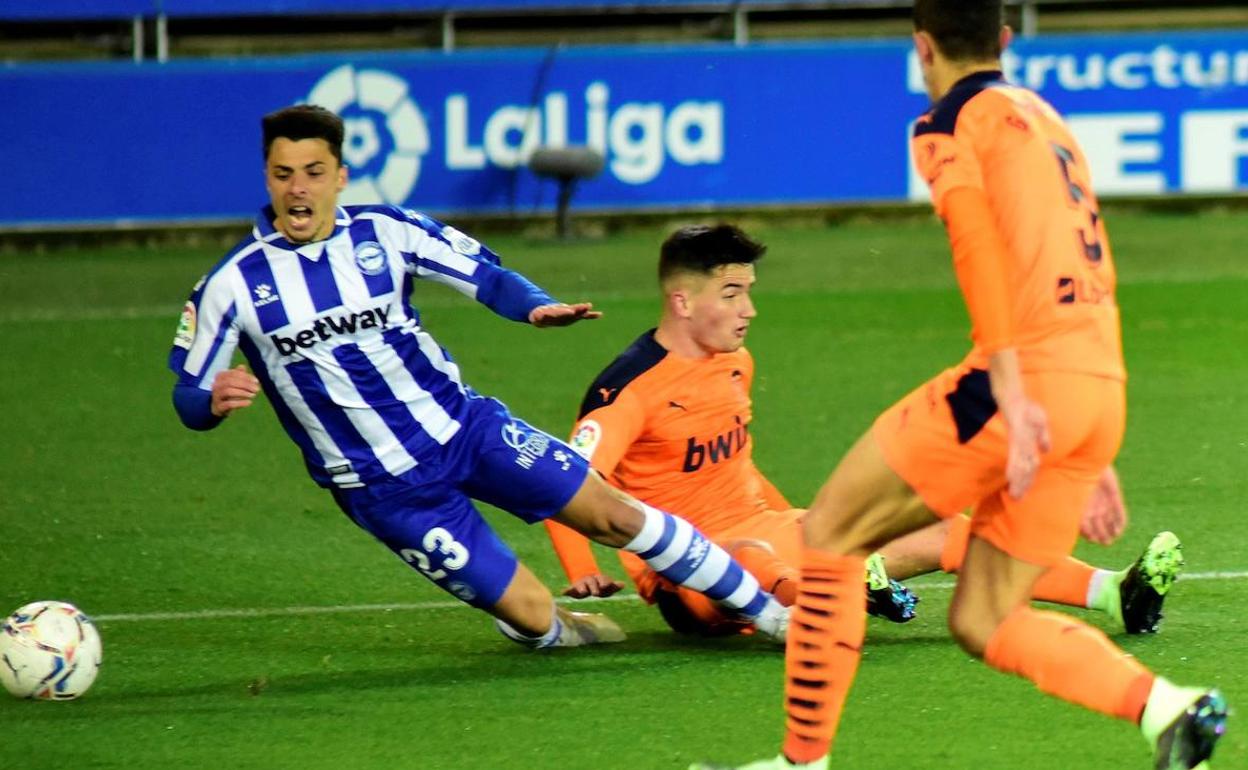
979 259
233 389
593 585
562 314
578 562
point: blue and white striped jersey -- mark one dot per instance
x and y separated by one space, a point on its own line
329 330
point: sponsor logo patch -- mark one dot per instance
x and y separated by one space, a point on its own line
328 327
184 337
529 446
264 295
585 439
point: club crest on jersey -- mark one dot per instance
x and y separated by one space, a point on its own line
264 295
529 445
585 439
370 257
184 337
461 243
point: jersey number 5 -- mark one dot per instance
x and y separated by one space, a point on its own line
1077 189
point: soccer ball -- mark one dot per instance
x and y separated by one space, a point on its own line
49 651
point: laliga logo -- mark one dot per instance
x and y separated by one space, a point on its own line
384 159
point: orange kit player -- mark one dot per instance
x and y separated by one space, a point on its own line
1023 432
669 422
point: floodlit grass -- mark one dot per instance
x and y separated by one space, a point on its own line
109 503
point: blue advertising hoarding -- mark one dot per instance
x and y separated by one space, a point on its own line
680 126
72 10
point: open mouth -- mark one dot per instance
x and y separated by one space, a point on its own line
299 216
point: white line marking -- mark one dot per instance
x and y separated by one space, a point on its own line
1237 575
272 612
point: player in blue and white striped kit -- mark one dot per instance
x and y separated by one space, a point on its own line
317 299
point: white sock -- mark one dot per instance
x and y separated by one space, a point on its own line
542 641
1096 587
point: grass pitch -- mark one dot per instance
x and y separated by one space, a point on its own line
248 624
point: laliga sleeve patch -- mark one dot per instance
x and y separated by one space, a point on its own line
184 337
461 243
585 439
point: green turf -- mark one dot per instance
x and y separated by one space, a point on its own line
107 502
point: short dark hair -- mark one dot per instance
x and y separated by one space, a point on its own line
702 248
964 30
303 121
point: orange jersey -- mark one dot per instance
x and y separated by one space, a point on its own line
674 433
1009 146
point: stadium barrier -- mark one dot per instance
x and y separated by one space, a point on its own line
157 13
680 127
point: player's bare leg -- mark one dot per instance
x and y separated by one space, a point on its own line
526 613
1133 596
991 585
526 605
674 549
602 513
917 553
863 505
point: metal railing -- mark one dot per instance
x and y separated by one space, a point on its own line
157 14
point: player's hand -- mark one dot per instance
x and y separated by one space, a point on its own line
593 585
233 389
561 314
1106 515
1027 427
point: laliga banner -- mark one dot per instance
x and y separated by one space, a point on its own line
679 126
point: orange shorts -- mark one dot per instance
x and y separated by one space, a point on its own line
947 441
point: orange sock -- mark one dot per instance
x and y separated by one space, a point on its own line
826 630
1071 660
954 552
774 575
1065 583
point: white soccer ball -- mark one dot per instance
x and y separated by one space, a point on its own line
49 651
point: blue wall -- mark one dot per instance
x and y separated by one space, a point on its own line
60 10
681 126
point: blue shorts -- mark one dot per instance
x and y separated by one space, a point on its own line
427 517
